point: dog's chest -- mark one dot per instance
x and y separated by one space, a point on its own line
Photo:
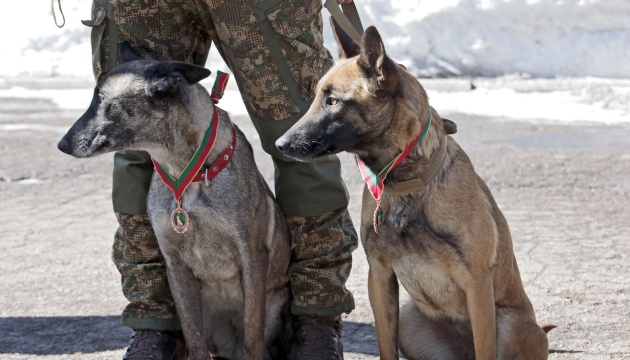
424 266
210 253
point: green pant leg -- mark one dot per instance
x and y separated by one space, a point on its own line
321 250
275 50
314 198
143 275
153 30
131 179
302 188
135 251
312 194
277 60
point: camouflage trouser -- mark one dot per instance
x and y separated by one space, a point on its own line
138 258
275 50
321 259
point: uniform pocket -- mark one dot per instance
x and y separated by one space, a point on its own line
298 28
99 40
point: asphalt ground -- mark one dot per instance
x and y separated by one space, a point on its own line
565 191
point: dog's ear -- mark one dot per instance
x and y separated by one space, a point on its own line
347 47
381 71
192 73
169 74
127 53
165 85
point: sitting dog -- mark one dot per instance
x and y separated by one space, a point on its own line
222 234
428 220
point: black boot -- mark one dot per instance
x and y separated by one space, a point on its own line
156 345
318 338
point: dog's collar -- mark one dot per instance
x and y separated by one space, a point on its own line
376 182
193 172
179 217
418 185
208 172
431 170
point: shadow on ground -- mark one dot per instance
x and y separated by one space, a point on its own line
558 351
359 338
62 335
91 334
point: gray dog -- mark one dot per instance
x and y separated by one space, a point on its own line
224 240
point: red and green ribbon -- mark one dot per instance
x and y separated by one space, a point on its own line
375 182
180 183
219 86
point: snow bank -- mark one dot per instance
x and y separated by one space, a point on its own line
537 38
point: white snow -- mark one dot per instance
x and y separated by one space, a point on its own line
548 60
541 38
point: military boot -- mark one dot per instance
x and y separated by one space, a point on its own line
318 338
156 345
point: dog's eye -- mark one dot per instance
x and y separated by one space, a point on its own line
331 101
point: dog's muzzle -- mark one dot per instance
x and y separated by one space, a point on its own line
64 146
283 144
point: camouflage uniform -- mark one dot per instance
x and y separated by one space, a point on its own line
275 50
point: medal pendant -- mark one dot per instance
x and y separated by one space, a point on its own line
378 217
179 219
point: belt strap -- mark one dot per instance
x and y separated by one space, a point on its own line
350 10
348 19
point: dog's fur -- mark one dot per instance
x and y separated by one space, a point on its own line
449 246
228 272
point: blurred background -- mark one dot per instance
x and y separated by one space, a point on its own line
582 45
540 90
535 38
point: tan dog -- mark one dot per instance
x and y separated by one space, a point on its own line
437 228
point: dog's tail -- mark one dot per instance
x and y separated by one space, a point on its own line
547 327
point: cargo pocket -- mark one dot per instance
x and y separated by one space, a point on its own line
100 39
298 27
292 32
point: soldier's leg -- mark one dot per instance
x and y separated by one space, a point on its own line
275 50
157 29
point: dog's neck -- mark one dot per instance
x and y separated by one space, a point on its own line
187 125
389 145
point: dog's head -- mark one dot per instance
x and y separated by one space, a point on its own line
354 102
128 104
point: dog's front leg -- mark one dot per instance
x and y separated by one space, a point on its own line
255 292
383 293
480 303
185 289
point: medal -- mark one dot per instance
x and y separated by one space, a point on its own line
377 219
179 219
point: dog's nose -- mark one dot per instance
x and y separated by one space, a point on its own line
63 145
282 143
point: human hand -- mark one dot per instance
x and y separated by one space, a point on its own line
343 1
